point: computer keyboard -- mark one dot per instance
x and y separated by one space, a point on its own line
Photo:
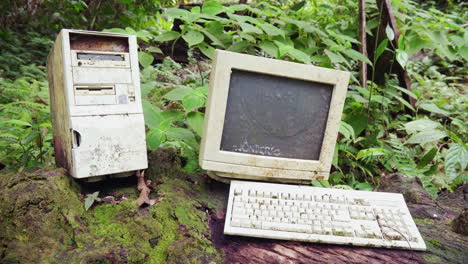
322 215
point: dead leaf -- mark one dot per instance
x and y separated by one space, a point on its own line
144 190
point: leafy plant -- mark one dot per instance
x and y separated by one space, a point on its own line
90 199
178 121
293 34
25 129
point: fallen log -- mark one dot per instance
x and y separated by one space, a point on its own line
43 221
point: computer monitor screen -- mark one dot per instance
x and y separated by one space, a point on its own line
271 120
275 116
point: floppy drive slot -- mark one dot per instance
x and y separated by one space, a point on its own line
94 90
100 56
99 59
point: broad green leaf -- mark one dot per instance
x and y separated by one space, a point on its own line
334 57
421 125
456 154
202 90
196 121
181 134
146 88
370 152
298 5
401 100
390 33
155 138
433 108
346 130
167 36
145 59
178 13
402 57
283 48
172 115
247 28
193 101
144 35
457 40
90 199
247 37
33 135
193 37
364 186
271 30
335 157
299 55
381 49
212 7
116 30
406 91
426 136
88 203
239 18
428 157
239 46
358 121
152 115
414 44
320 183
356 55
206 49
432 170
239 7
217 41
154 49
130 31
178 93
401 42
269 48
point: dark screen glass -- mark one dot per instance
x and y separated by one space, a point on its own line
275 116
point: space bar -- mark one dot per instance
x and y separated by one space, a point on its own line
286 227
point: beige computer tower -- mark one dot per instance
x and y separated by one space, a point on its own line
95 102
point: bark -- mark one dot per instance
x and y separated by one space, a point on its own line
363 40
388 58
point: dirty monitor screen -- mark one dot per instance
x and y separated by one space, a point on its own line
275 116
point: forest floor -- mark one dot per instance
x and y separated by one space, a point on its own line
43 220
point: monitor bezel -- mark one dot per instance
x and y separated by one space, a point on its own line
234 164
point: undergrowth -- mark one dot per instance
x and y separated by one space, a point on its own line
380 131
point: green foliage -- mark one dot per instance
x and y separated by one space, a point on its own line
25 129
380 132
49 16
174 109
292 34
376 134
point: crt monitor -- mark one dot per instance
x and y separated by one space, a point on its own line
271 120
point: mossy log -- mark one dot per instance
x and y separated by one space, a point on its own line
43 220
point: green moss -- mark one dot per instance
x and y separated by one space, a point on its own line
434 243
44 221
423 221
432 258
